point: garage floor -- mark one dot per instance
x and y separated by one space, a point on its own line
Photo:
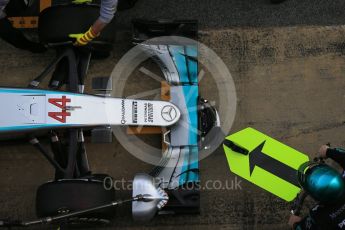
288 64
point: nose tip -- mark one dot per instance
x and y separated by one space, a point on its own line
173 114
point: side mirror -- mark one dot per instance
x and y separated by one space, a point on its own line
155 198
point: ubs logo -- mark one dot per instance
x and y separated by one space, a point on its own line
169 113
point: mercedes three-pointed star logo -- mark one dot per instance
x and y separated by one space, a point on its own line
169 113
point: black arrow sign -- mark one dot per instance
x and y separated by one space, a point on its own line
271 165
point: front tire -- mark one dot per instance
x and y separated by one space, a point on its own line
63 196
277 1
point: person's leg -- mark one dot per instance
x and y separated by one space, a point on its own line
15 8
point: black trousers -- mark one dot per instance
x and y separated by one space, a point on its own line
16 7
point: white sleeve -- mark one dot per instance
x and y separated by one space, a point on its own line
3 4
108 9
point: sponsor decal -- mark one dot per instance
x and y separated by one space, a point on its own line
341 224
339 211
148 112
123 112
168 113
135 112
309 223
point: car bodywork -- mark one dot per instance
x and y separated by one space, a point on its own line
178 170
32 110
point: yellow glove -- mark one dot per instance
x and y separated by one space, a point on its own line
83 39
81 1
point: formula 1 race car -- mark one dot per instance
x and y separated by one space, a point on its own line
76 195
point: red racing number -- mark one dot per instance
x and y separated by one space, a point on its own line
60 103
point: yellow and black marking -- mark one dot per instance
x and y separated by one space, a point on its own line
30 21
24 22
265 162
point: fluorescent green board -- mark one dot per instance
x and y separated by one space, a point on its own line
270 164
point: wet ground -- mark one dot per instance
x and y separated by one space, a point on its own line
288 65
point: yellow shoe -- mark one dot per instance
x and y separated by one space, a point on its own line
81 1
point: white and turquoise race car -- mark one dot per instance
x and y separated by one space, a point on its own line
76 195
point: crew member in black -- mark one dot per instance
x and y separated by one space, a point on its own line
326 186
